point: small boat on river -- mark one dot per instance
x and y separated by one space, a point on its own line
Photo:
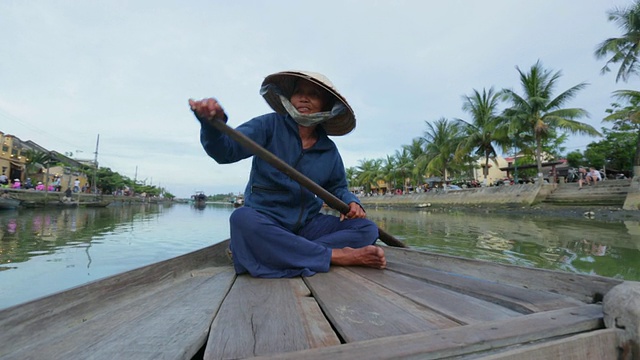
199 200
424 305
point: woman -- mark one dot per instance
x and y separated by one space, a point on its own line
280 232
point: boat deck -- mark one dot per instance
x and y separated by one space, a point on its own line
423 306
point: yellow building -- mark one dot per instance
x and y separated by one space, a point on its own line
494 174
13 164
12 159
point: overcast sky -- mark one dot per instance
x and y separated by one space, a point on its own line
71 70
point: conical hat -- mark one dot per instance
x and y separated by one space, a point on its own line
341 124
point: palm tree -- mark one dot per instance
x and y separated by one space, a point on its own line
629 115
441 142
36 160
351 174
623 50
416 152
368 173
537 112
403 166
387 172
481 132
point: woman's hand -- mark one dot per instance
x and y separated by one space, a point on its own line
207 110
355 211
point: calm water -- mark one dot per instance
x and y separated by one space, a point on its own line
44 251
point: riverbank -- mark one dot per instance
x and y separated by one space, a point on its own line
600 213
525 200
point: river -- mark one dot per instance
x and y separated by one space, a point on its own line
48 250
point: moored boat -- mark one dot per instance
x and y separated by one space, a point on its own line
199 200
423 305
97 203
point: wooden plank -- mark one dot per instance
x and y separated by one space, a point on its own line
461 308
516 298
463 340
170 322
601 345
585 288
267 316
96 294
360 309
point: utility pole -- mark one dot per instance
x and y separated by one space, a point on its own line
95 169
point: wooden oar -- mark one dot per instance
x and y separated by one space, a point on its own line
285 168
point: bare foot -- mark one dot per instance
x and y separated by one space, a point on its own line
371 256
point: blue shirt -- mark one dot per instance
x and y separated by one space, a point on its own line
271 192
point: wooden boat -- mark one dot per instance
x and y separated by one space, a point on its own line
8 203
199 200
97 203
424 305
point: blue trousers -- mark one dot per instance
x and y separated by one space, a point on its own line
264 248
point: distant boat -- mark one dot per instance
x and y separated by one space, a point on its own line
199 199
103 203
9 203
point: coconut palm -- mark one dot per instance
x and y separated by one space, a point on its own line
628 115
387 172
481 132
416 152
537 112
35 160
441 142
623 50
368 173
403 166
351 174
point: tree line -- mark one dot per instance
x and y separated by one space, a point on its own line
535 120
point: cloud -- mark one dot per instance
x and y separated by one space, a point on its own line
125 70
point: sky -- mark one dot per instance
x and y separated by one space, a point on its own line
124 70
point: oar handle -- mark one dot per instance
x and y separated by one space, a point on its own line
288 170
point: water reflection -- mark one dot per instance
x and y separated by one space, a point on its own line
47 250
576 245
37 232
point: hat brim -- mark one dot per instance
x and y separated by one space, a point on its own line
341 124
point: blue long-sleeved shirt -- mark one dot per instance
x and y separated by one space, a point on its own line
270 191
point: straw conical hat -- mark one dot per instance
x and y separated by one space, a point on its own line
286 80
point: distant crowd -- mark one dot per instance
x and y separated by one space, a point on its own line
55 184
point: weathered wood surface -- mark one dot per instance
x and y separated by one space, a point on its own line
517 298
463 340
423 306
265 317
361 309
162 310
585 288
600 345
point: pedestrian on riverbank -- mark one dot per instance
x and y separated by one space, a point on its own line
280 232
582 177
67 195
593 176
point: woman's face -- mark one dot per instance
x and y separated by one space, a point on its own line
307 97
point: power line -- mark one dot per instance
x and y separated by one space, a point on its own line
38 129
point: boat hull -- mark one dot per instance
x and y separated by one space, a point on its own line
423 305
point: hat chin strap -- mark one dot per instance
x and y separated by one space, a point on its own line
268 90
305 119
